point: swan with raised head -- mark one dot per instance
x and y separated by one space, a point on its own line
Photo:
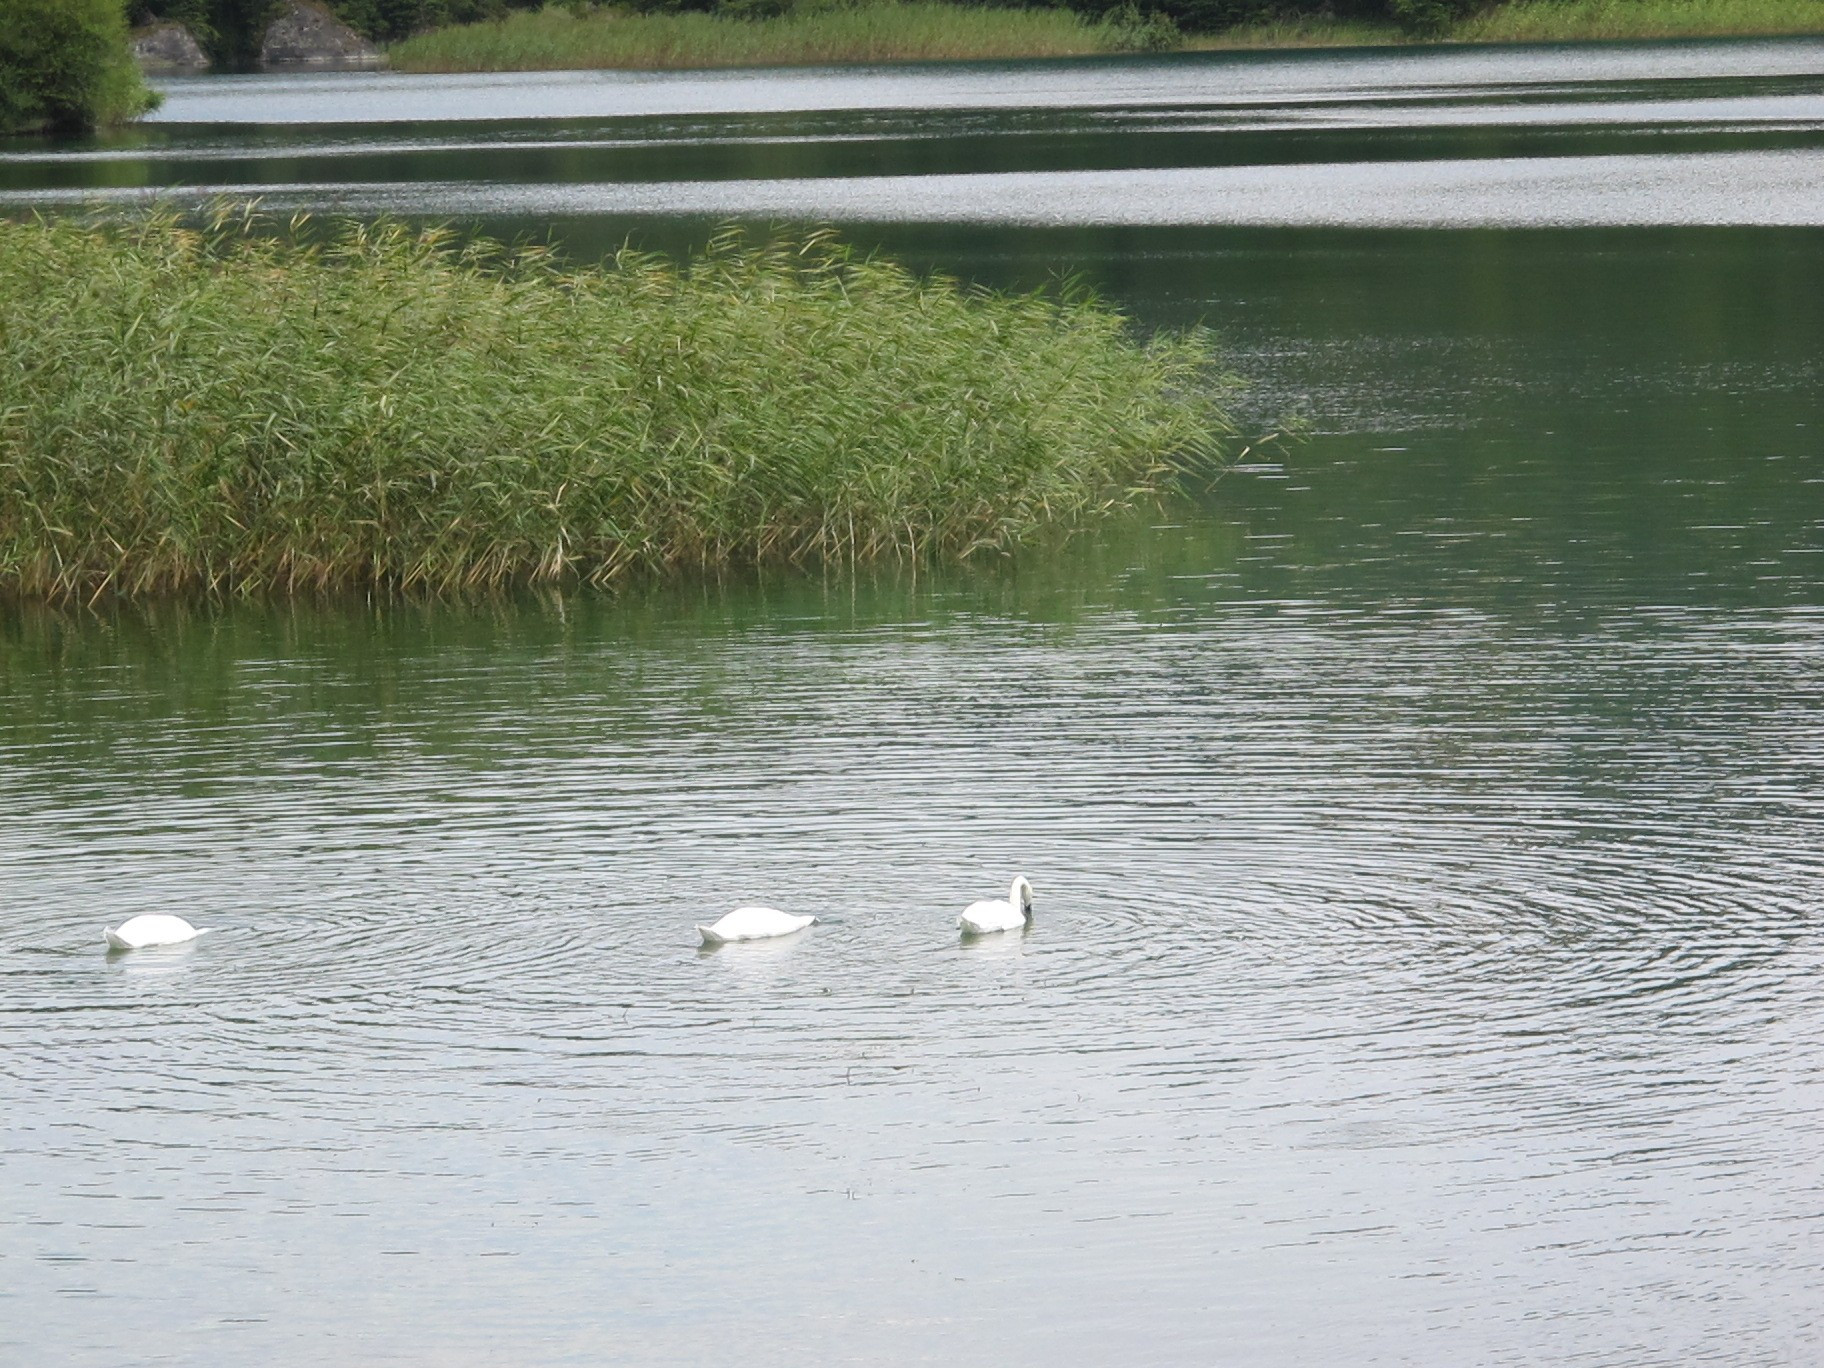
753 923
1015 912
152 928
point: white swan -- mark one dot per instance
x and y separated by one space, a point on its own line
979 918
753 923
153 928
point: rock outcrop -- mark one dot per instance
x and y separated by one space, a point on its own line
168 50
307 36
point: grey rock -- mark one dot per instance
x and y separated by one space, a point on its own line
167 49
307 35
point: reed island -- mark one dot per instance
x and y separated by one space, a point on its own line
238 408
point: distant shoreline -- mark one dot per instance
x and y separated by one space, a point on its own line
927 30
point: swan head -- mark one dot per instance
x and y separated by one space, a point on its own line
1020 895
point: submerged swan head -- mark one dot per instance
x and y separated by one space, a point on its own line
1019 897
150 929
984 918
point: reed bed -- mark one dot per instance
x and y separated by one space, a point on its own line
1540 21
223 409
1300 31
556 38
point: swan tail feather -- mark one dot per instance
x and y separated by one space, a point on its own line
114 941
710 937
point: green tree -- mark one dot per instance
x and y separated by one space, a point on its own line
65 66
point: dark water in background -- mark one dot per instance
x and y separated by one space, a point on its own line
1426 824
1623 135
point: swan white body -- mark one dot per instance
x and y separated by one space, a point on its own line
753 923
154 928
1011 914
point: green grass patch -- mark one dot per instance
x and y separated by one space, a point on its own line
1300 31
557 38
227 410
1541 21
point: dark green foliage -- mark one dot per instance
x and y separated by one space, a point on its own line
388 20
230 30
1428 18
754 9
195 15
697 6
65 66
1194 16
239 25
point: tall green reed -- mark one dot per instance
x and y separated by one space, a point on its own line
1530 21
232 410
1538 21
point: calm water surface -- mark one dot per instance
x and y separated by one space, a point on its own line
1427 822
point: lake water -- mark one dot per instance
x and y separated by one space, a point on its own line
1427 821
